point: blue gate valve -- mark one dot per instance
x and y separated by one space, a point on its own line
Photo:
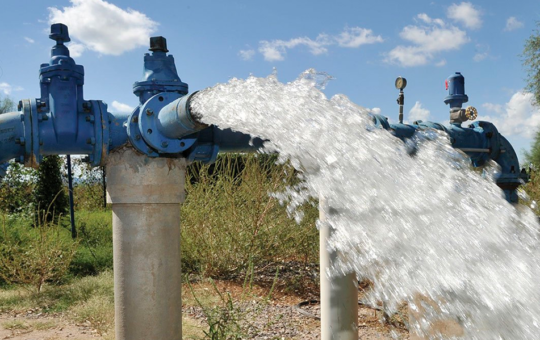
60 121
164 125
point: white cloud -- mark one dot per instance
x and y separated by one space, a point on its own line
121 107
353 37
103 27
441 63
512 23
276 49
426 19
75 49
7 88
518 117
480 56
246 54
490 107
428 40
356 36
375 110
466 14
418 113
482 52
30 40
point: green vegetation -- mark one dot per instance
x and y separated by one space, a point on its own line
231 225
50 198
84 299
16 188
531 62
94 252
33 256
229 220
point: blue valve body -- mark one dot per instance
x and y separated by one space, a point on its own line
162 125
456 91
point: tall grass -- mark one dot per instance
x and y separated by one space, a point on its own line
229 220
34 256
95 252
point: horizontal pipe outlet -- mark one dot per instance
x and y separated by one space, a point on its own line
176 119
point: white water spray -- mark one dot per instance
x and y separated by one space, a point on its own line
424 224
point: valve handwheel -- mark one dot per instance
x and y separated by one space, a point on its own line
471 113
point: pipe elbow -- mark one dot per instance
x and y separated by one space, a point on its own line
510 177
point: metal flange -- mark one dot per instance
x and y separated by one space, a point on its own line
135 137
149 130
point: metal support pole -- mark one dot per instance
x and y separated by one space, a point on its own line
401 102
146 194
104 183
339 295
70 194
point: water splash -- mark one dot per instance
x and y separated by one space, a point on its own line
413 224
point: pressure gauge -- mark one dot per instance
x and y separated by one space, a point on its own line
401 83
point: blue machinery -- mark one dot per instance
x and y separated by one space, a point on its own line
481 141
62 122
146 187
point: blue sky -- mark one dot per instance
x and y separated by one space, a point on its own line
365 45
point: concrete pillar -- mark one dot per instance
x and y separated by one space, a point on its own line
339 295
146 194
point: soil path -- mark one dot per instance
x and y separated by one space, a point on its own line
39 327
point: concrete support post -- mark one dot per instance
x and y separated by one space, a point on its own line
146 194
339 295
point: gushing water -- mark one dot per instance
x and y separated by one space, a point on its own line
422 225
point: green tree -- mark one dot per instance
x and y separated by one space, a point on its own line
50 197
531 62
15 189
6 104
533 157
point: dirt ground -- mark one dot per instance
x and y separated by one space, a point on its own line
40 327
293 327
275 318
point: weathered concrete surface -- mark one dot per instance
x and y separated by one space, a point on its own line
146 194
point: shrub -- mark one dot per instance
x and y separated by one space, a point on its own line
229 219
33 256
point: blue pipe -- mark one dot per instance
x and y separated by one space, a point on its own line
12 141
481 141
163 124
60 121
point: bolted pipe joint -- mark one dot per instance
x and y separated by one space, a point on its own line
177 119
164 125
